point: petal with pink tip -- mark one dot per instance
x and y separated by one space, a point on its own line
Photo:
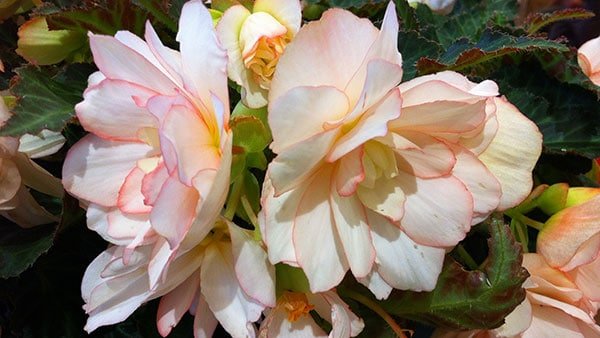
318 248
198 41
588 57
95 169
402 263
551 322
227 300
339 38
175 304
120 62
567 231
299 161
437 212
131 199
586 277
441 116
423 156
205 322
456 80
353 230
302 113
169 59
370 126
349 172
513 153
254 273
289 13
482 184
174 210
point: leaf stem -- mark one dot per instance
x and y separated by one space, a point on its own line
377 309
464 255
524 219
249 211
234 199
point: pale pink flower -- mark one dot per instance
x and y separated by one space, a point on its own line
588 57
255 41
555 306
18 173
224 279
154 171
155 167
291 317
376 178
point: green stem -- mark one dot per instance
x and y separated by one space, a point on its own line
464 255
249 211
234 199
377 309
523 237
525 220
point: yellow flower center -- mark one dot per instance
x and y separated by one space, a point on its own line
295 304
263 58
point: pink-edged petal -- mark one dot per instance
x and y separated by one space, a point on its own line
350 172
227 300
352 227
318 248
333 309
212 202
437 212
477 140
198 41
109 110
95 169
258 281
586 277
278 222
376 284
572 311
551 322
175 304
302 113
169 59
512 154
205 322
289 13
588 56
449 85
339 38
370 126
422 155
10 180
482 184
174 210
568 230
401 262
131 199
441 116
193 142
299 161
153 182
120 62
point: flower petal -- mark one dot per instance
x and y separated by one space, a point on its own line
205 322
289 13
513 153
174 304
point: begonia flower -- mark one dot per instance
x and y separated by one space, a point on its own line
225 279
380 179
255 41
154 171
291 317
554 306
18 173
438 6
588 57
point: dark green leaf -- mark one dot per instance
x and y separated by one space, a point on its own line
492 45
44 102
470 299
19 248
537 21
413 46
250 129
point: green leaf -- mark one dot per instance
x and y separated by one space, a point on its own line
470 299
413 46
97 16
568 116
492 45
45 102
250 129
565 68
20 248
407 15
537 21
